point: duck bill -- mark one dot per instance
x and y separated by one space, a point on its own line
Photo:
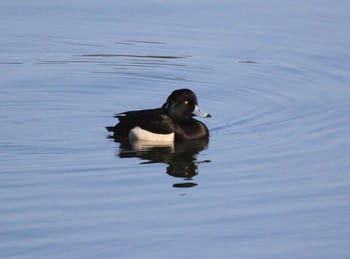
198 112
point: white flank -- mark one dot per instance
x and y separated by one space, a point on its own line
140 134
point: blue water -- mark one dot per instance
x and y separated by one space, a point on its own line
272 182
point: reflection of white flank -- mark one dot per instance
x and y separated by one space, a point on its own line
148 145
139 134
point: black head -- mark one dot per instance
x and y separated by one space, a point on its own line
182 104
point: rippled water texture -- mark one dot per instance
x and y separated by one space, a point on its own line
272 181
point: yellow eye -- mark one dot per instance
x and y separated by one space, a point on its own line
186 102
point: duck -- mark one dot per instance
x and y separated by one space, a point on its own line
173 121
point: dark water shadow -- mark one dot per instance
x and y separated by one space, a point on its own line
181 157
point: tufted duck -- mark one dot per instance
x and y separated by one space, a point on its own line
172 122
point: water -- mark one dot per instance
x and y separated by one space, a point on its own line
272 182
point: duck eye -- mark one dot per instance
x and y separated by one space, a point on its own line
186 102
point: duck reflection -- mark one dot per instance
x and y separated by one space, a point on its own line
181 157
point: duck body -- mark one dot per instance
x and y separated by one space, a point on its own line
172 122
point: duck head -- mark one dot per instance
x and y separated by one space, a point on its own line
182 104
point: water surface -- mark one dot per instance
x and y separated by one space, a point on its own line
272 181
